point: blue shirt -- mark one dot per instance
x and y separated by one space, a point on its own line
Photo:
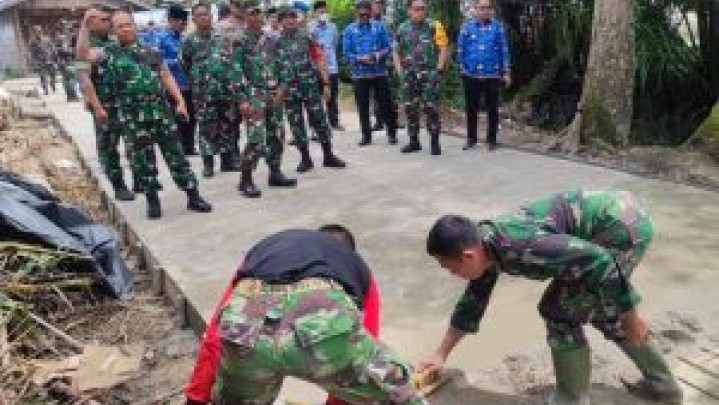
361 39
149 37
168 44
325 33
482 49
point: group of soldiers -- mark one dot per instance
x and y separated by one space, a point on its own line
53 54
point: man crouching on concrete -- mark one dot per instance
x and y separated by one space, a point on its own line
294 310
588 244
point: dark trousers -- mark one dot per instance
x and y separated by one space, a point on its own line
474 89
379 86
333 109
186 128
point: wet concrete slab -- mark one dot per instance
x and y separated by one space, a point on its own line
390 200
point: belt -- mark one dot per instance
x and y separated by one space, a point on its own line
253 286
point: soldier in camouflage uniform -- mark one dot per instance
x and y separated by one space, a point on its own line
205 56
140 80
300 86
255 57
588 244
42 59
295 312
103 106
420 54
66 59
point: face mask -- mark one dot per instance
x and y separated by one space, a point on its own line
323 17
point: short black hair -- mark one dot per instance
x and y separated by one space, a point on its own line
272 11
176 12
363 4
198 4
342 231
319 4
450 235
105 8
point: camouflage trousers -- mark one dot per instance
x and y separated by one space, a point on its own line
107 139
147 125
68 82
218 125
312 331
265 137
307 95
421 92
47 77
567 306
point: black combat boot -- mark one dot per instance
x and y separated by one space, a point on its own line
247 186
136 186
278 179
229 162
330 160
306 160
412 146
195 202
435 148
208 166
121 191
366 140
154 210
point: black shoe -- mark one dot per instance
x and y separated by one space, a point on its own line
190 151
306 160
228 163
154 209
392 139
378 126
278 179
208 166
412 146
338 127
470 145
492 147
197 203
435 149
121 191
330 159
247 186
365 142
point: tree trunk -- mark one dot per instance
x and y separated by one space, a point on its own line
706 138
604 116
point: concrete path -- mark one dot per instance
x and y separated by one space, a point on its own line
389 201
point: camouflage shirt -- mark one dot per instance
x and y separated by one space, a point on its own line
206 58
98 76
294 62
42 53
254 55
416 46
526 243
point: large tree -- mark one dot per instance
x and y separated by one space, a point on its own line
604 115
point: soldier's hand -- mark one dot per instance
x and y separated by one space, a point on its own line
182 111
635 328
100 114
432 366
326 92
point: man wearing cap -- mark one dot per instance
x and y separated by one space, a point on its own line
587 243
168 42
300 59
420 55
205 57
101 101
296 308
366 46
255 56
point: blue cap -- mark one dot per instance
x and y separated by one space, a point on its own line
301 6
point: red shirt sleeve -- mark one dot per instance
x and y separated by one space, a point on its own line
199 388
370 321
315 51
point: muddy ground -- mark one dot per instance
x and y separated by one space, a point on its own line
34 148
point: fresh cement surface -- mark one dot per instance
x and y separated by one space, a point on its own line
390 200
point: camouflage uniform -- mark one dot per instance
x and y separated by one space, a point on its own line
418 53
132 74
206 59
42 60
254 55
307 330
109 132
301 84
588 243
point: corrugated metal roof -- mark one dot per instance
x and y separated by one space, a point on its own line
5 4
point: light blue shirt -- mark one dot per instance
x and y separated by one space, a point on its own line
326 34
